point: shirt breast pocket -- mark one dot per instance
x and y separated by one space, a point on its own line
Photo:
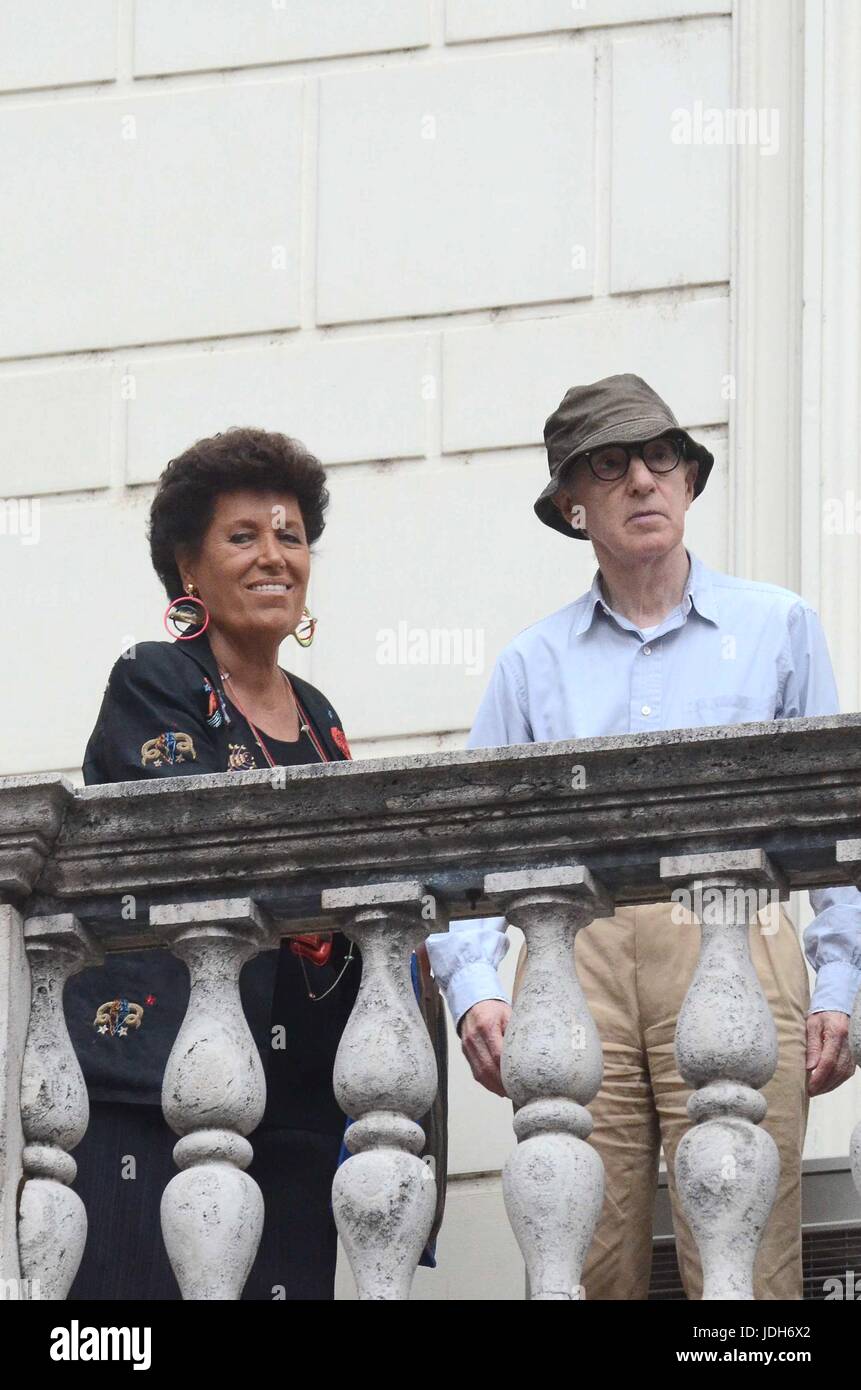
732 709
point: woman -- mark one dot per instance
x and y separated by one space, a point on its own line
231 528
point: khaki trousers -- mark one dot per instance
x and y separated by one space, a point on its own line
635 969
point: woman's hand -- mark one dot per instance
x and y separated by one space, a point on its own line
482 1030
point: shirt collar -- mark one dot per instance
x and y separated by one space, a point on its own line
699 594
203 656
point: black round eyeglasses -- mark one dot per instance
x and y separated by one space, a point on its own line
611 461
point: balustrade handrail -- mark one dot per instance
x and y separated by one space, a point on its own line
553 835
791 787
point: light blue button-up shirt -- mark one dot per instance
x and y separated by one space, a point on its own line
732 652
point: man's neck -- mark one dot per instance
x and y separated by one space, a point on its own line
647 591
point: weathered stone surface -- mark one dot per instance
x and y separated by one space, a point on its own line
727 1172
553 1187
222 865
14 1018
726 1046
213 1095
553 1183
54 1106
393 895
790 788
52 1232
55 1110
576 879
744 866
31 814
385 1079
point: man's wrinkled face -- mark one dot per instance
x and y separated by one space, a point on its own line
639 516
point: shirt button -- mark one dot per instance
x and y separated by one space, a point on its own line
647 651
647 709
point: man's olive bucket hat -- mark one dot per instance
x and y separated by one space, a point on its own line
614 410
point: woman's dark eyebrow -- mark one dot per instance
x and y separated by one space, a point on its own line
295 523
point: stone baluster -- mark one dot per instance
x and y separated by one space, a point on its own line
15 991
213 1095
849 852
32 810
55 1111
726 1168
385 1079
553 1182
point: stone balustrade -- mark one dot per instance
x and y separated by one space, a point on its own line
216 868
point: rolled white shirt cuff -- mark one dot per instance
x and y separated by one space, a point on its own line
471 984
837 983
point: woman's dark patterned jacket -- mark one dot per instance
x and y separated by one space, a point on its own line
165 714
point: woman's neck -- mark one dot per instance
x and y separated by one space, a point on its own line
254 667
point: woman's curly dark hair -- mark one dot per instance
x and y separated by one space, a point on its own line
238 459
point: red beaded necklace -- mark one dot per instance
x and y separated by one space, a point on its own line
305 726
316 948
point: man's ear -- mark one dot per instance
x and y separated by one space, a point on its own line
693 467
562 501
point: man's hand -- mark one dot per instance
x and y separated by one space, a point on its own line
829 1060
482 1029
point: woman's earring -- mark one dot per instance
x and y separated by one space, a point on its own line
305 629
182 610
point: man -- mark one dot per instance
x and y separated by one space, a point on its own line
660 642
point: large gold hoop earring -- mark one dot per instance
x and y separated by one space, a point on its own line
185 610
305 629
